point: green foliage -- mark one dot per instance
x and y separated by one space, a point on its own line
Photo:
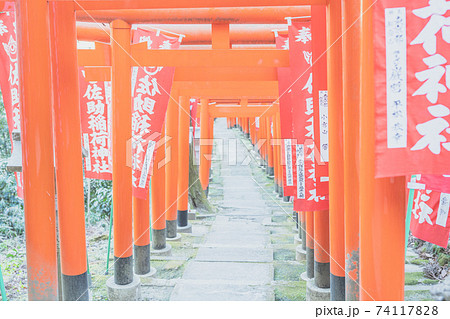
443 259
100 206
11 206
5 142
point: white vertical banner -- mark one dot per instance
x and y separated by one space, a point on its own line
301 185
444 205
323 125
146 165
289 168
395 24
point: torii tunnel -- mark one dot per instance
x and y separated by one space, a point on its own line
308 107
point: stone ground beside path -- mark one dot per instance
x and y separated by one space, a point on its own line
244 252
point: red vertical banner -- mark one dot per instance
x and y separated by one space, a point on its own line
429 216
95 107
9 75
151 86
300 56
439 183
320 97
284 89
412 79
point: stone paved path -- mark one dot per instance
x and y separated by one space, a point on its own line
246 251
235 261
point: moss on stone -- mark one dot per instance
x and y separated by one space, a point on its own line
279 219
443 259
418 261
173 264
99 291
295 291
284 254
430 281
413 278
418 295
288 271
282 239
168 269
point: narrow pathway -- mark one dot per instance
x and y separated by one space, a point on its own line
235 260
247 252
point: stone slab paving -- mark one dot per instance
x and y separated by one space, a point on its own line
235 254
234 262
220 292
248 253
254 227
236 239
229 272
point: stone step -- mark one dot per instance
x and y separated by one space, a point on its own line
221 292
234 254
233 272
237 239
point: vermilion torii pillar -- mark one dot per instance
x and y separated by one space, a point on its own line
121 133
382 200
262 138
277 151
351 25
211 145
321 249
321 218
252 129
183 162
309 220
37 148
68 160
269 155
336 151
205 157
141 228
246 127
158 196
171 167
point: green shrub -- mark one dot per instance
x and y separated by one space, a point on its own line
100 205
11 206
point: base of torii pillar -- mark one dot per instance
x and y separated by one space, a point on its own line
129 292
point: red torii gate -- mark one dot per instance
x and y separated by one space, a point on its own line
202 15
136 55
382 199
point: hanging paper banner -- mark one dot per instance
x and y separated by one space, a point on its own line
9 76
284 89
429 218
95 109
439 183
412 79
300 57
151 86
